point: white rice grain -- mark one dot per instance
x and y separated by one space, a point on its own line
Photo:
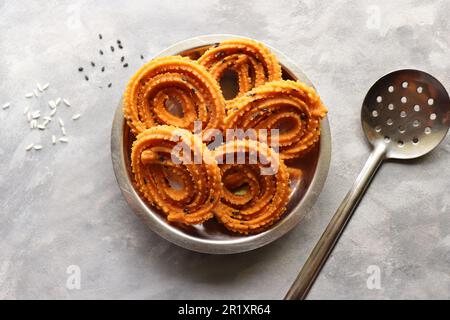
63 139
45 86
36 114
66 102
52 104
52 113
35 93
63 131
61 122
76 116
25 110
6 105
53 139
58 101
41 127
37 147
38 85
29 95
29 147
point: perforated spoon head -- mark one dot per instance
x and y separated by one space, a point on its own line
406 111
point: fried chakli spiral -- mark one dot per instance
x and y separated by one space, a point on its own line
186 184
251 61
276 103
173 79
251 201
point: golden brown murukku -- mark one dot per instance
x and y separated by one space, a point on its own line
174 81
177 173
251 61
255 192
170 177
290 106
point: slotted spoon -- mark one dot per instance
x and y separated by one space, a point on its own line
405 115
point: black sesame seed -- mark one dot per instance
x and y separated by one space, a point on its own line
80 69
109 85
303 116
122 59
125 65
219 54
212 199
101 52
100 36
92 64
103 69
186 210
87 78
193 90
142 57
119 42
112 49
161 158
120 46
216 45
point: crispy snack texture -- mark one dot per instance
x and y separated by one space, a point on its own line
265 182
191 182
292 102
182 82
170 177
253 63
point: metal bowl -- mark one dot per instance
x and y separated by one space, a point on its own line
211 237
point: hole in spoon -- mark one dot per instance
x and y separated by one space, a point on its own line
387 139
400 143
405 84
430 101
377 128
401 129
391 88
433 116
390 106
389 122
416 123
419 89
415 140
416 108
375 113
379 99
403 99
403 114
427 130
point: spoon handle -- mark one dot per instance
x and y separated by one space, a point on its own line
329 238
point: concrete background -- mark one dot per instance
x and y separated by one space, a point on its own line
61 206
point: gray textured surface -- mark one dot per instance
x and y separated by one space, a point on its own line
61 206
